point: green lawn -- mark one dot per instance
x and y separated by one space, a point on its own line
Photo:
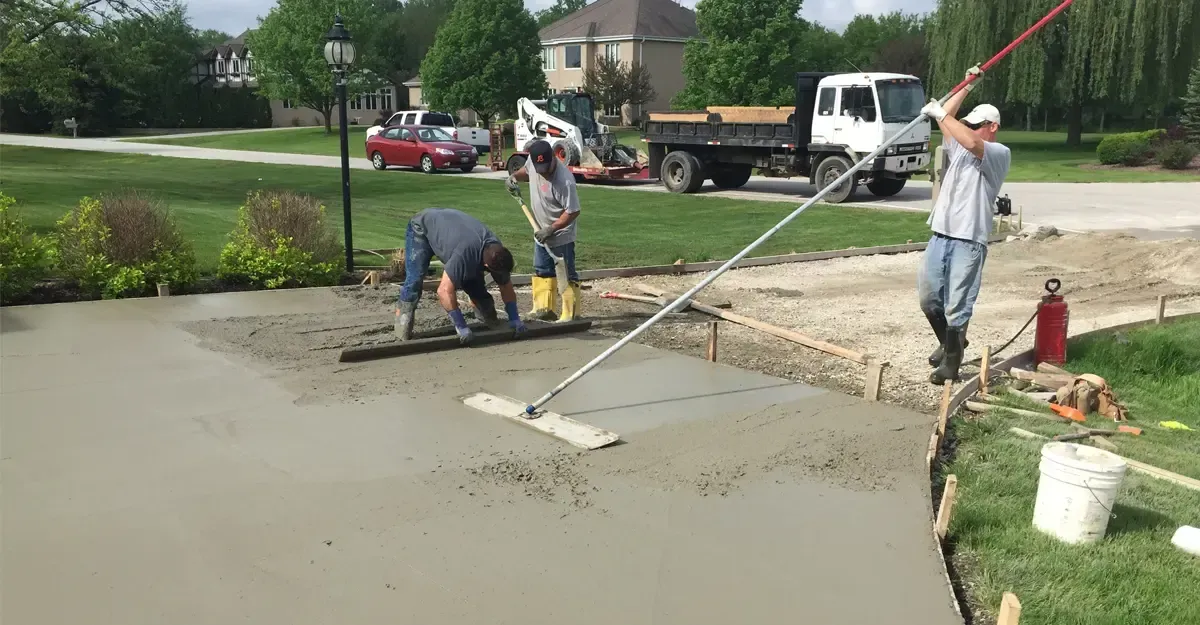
618 228
1134 576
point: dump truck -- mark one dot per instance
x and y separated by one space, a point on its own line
837 120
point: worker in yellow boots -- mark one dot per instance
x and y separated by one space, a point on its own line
554 202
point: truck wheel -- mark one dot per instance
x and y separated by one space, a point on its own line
830 169
732 176
886 187
515 163
567 152
681 172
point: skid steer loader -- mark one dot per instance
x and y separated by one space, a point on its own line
568 123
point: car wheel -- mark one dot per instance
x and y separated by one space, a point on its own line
886 187
831 169
515 163
427 164
377 161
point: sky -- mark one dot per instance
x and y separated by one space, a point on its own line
235 16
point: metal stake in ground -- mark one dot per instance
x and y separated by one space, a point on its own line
682 302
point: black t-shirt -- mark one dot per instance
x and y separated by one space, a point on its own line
458 240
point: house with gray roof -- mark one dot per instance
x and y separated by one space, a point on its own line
645 32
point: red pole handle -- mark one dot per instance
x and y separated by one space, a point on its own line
1012 46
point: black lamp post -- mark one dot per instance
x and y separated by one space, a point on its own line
339 53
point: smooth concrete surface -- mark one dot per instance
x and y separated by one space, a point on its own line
148 479
1150 211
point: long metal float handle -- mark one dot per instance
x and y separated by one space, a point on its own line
710 278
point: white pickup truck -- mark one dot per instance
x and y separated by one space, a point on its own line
477 137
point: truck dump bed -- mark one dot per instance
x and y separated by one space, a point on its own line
762 135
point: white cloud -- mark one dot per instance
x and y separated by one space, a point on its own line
234 16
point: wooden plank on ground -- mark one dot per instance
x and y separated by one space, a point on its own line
442 343
776 331
1010 610
974 406
1045 380
1140 467
949 493
574 432
1045 367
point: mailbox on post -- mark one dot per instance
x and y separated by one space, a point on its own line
72 125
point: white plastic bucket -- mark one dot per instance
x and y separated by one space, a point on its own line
1187 538
1076 491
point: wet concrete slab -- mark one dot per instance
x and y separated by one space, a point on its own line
153 476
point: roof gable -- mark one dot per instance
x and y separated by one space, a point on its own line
625 18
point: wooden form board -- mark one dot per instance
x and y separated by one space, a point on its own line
578 434
753 114
442 343
946 508
1140 467
788 335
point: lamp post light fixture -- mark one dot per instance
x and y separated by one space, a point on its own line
339 53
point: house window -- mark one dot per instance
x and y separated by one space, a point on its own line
385 99
825 107
355 103
549 59
248 65
574 57
612 111
221 67
612 52
237 67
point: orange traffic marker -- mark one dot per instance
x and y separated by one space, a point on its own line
1068 412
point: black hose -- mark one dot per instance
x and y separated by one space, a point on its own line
979 361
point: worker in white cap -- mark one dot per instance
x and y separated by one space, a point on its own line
948 281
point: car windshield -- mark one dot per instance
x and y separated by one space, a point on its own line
433 134
900 101
438 119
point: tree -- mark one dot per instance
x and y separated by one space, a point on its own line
486 56
1100 54
422 20
613 84
28 20
744 56
1191 106
211 38
559 10
289 52
867 36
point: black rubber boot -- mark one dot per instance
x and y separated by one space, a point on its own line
955 347
935 359
937 321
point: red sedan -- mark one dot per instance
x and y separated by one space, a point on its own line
427 147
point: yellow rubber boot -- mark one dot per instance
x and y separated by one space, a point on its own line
545 296
570 303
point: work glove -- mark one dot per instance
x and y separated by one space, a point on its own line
934 111
544 233
405 313
974 75
461 328
512 185
514 319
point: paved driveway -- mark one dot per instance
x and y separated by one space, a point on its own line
1147 210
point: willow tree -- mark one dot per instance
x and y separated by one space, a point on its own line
1133 54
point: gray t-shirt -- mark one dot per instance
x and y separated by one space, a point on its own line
969 190
550 197
457 239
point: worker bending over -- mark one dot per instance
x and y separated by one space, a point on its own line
948 281
467 249
555 206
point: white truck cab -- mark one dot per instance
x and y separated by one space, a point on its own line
858 112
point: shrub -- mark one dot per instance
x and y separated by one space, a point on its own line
282 239
1129 148
24 256
1176 155
121 244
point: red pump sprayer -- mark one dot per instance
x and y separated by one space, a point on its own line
1050 338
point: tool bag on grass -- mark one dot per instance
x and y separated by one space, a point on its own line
1089 393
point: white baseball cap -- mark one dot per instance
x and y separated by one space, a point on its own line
983 113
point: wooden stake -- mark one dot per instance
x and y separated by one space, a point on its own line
874 379
983 369
1162 309
712 341
1021 218
1010 610
944 413
374 277
947 507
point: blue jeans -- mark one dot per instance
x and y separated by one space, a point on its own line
417 254
948 281
543 264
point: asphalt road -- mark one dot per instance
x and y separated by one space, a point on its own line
1147 210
